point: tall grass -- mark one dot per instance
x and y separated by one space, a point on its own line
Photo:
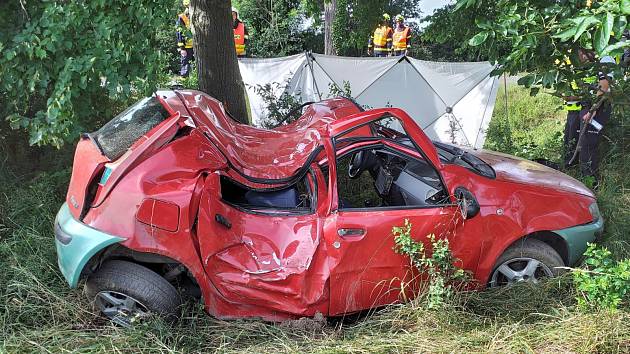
38 313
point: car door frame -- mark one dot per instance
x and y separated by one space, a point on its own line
331 228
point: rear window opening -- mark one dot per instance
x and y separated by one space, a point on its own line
295 198
119 134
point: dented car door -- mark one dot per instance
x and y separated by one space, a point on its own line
259 254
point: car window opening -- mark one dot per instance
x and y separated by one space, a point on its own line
297 197
115 137
377 177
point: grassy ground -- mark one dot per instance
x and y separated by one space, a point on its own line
38 313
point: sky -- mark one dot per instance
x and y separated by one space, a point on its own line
428 6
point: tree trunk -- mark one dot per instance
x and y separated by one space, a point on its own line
330 8
215 55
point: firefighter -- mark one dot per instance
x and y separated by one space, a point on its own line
240 35
380 44
594 122
402 37
184 40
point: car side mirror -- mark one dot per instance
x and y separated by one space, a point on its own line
468 205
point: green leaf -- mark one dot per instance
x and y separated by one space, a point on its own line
9 54
625 7
478 39
602 36
566 34
584 23
615 46
620 24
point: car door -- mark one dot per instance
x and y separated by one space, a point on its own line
256 254
366 271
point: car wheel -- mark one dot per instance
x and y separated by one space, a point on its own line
528 260
126 292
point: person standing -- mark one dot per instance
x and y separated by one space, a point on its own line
380 43
594 117
573 107
184 40
240 35
401 38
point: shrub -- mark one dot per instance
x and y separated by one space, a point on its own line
437 265
277 108
604 283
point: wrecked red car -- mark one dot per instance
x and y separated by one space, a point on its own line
175 197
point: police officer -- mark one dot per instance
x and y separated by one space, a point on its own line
594 120
380 43
184 40
572 127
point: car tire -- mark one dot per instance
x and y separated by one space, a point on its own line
528 260
126 292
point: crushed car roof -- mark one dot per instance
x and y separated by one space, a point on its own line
266 154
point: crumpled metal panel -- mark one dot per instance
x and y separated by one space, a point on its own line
276 267
262 153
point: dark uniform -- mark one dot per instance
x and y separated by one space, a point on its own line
184 43
589 145
571 129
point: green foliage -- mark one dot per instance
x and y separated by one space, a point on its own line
437 264
543 35
445 36
355 20
532 128
60 63
277 106
335 91
604 283
276 27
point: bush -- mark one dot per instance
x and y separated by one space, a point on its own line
604 283
437 265
277 108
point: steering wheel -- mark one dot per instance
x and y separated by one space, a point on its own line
356 165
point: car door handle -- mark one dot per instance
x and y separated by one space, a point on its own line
351 232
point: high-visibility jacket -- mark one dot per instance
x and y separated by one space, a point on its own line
239 38
381 40
402 38
184 35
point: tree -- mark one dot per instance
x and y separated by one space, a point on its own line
59 61
215 54
276 28
330 9
445 38
355 20
544 37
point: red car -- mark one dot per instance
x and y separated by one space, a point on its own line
174 196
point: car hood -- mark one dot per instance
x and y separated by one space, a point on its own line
515 169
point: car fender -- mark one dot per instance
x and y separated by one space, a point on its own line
77 243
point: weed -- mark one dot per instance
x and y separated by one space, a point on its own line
437 264
604 283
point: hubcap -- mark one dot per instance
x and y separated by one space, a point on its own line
120 308
519 270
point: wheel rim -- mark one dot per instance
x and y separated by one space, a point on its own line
120 308
518 270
